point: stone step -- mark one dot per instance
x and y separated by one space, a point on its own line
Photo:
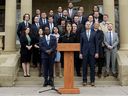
60 83
36 78
38 81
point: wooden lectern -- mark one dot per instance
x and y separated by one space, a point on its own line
68 49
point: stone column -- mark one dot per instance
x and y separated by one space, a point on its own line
123 13
26 7
10 25
109 9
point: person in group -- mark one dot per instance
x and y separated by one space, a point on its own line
104 23
66 16
82 18
71 11
88 52
36 15
34 29
111 41
68 36
57 66
58 15
61 27
77 60
51 24
43 20
100 37
96 17
48 45
26 42
23 24
37 55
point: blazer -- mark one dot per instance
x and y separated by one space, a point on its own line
100 37
41 23
115 41
24 42
21 27
44 46
88 47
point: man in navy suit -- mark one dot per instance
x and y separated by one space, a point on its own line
43 20
23 24
34 29
58 15
48 45
88 52
51 24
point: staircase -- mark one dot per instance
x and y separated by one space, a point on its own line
35 81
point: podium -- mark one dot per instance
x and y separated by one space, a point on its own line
68 49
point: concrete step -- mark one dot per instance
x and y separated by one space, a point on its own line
38 81
34 80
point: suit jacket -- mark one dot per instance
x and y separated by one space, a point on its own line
44 46
84 19
88 47
57 17
21 27
67 38
54 25
73 13
42 24
115 41
24 42
100 37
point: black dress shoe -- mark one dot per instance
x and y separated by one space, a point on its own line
51 83
79 75
106 74
84 83
99 75
115 75
45 83
92 84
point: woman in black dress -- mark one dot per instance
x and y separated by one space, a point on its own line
26 46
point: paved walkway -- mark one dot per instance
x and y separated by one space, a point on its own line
85 91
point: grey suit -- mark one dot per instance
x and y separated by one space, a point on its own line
111 53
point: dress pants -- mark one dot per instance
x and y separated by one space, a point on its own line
89 59
48 68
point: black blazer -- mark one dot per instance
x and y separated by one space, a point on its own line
21 27
100 37
44 46
88 47
24 42
67 38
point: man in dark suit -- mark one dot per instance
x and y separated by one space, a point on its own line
36 15
82 18
34 29
43 20
51 24
97 17
71 10
100 37
66 17
48 45
23 24
88 52
58 15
